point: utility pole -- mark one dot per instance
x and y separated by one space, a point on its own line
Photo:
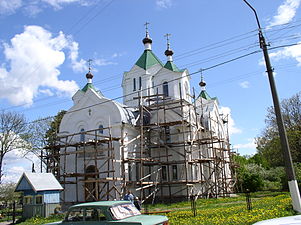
290 173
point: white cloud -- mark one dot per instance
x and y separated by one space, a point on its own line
9 6
47 92
293 52
244 84
77 65
15 163
14 174
231 124
33 59
103 62
57 4
115 55
249 145
33 7
164 3
286 12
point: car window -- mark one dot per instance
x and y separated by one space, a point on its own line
93 214
124 210
75 215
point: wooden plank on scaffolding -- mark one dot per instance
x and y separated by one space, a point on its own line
102 180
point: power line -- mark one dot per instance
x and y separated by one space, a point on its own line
196 72
220 55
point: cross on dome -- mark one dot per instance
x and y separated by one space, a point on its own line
147 41
202 83
168 51
89 75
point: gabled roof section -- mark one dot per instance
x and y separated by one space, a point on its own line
38 182
171 66
91 86
205 95
87 86
148 59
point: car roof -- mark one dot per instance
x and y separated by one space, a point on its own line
100 204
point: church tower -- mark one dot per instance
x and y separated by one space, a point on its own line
149 76
139 80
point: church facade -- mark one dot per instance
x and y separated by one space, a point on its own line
162 143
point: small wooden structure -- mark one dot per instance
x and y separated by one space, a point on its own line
41 194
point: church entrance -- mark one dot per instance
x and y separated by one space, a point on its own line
91 184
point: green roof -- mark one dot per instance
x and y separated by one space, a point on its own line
88 85
171 66
204 95
148 59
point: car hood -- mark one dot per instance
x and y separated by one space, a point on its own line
146 219
289 220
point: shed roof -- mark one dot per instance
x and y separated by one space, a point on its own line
38 182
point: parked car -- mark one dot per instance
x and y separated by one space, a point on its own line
109 212
288 220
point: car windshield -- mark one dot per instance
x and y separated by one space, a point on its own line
123 211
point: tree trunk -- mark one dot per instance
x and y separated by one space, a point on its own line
1 160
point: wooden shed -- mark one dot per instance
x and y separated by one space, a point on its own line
41 194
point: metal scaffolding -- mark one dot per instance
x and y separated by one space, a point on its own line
175 155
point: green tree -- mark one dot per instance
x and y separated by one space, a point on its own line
7 193
250 177
51 148
51 133
268 144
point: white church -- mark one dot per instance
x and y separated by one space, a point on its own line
162 143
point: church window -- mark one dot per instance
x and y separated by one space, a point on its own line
100 129
153 82
165 89
167 134
164 173
134 84
82 135
140 83
186 89
174 172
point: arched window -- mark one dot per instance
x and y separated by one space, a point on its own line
164 173
165 89
174 172
100 129
82 135
134 84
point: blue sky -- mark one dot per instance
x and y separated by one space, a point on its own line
45 44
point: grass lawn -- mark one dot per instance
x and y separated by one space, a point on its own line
218 211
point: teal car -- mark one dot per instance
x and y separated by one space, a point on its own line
109 212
